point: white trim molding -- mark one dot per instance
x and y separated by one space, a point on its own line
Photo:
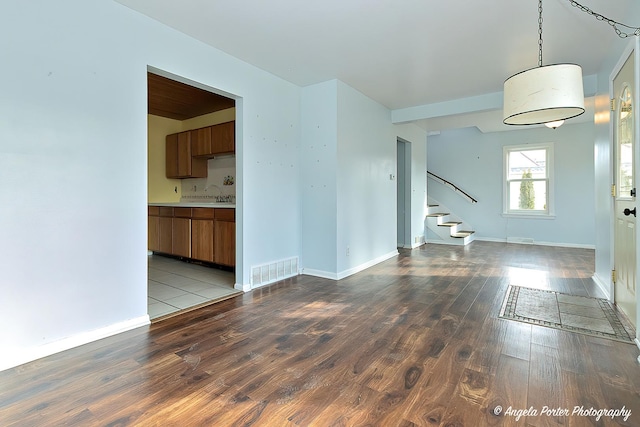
350 271
11 358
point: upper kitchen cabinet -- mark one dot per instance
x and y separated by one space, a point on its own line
213 140
201 141
180 160
223 138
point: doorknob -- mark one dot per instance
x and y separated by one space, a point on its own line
628 211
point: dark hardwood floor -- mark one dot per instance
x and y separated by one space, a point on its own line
414 341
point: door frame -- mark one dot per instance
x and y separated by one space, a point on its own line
239 271
632 46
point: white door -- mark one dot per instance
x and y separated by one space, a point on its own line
625 201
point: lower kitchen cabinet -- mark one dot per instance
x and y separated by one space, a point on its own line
181 237
225 243
153 224
165 230
202 240
225 237
203 234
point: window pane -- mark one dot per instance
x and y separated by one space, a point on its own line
625 144
527 164
528 195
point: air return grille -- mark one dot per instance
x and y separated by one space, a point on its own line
269 273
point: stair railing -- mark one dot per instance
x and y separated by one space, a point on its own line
451 185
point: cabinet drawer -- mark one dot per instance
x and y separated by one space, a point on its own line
225 214
202 213
154 210
182 212
165 211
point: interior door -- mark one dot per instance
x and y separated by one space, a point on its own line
625 201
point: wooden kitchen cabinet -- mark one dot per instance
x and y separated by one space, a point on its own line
180 162
153 230
225 237
165 229
201 142
181 232
202 234
223 138
213 140
160 224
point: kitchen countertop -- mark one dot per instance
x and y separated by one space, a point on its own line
196 205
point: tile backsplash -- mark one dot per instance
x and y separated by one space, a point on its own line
218 186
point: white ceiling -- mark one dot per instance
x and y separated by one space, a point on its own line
401 53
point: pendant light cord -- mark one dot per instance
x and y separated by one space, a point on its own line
635 31
540 33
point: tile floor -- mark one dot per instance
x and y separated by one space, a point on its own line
177 285
569 312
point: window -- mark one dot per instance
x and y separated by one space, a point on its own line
528 188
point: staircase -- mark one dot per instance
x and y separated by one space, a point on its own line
446 228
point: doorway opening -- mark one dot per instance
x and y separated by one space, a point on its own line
192 175
403 182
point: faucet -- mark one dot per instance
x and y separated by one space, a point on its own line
214 186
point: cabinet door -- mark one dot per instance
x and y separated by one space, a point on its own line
201 142
164 234
184 154
180 162
225 243
223 138
202 238
153 235
181 237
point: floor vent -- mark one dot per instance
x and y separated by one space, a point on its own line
269 273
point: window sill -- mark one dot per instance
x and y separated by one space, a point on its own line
528 216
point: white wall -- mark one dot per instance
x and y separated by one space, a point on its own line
348 200
73 173
318 166
366 196
474 161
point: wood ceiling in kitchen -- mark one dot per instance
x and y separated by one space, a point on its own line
175 100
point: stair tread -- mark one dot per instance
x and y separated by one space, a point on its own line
439 214
449 224
462 234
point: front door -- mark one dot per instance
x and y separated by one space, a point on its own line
625 201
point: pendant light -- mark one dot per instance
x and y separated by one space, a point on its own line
554 125
550 93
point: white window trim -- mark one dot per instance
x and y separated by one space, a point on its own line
550 212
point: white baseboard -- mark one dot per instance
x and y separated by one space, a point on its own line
535 242
445 242
10 359
350 271
320 273
244 287
603 286
364 266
